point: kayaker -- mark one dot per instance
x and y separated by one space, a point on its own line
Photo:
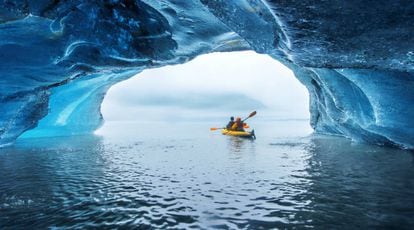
238 125
230 124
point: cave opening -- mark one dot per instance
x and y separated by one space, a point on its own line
209 88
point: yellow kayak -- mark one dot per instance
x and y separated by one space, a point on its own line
238 133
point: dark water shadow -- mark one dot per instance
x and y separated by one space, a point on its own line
356 185
39 176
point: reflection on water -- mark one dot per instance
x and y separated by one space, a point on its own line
363 185
130 178
237 144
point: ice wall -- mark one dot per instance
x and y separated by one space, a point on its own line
58 58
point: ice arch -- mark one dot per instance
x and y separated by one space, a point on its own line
58 58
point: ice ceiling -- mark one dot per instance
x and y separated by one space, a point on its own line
356 58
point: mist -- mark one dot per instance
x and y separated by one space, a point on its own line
210 86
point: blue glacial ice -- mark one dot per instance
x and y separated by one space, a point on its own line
58 58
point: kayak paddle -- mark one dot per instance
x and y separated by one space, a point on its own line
250 115
214 129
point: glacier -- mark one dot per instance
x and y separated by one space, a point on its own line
58 58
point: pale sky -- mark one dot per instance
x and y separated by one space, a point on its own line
217 84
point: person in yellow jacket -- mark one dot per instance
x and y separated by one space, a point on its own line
238 125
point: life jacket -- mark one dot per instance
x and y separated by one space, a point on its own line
238 126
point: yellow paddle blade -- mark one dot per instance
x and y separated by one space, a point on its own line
213 129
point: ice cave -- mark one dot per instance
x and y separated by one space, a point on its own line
356 58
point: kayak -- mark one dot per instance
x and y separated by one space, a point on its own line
239 133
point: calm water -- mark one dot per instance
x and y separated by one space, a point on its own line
184 176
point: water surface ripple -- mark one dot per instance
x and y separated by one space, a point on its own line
182 180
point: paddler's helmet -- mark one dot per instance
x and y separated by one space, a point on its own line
231 118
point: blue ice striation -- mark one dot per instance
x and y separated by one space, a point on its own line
58 58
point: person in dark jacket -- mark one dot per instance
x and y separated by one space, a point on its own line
230 124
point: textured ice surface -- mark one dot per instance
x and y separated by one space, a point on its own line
58 58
